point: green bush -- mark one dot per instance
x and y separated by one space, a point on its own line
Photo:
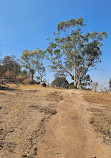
60 82
73 87
33 82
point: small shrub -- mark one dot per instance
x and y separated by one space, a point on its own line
84 88
73 87
10 76
29 82
20 79
60 82
33 82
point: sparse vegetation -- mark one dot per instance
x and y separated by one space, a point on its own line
40 119
25 113
94 86
28 111
101 112
72 53
54 96
28 81
31 60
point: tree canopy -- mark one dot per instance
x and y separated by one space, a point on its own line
60 82
73 51
9 63
31 60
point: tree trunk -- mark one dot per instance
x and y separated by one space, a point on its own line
75 83
74 76
75 79
79 84
32 76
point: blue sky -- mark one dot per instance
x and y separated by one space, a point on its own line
26 24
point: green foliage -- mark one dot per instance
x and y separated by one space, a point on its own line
60 82
72 86
59 74
74 52
9 63
9 68
41 73
21 77
24 73
86 81
70 24
31 60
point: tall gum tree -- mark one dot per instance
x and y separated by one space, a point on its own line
74 52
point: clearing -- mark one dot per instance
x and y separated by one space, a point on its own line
39 122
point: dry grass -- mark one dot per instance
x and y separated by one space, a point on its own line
101 112
54 96
97 97
27 87
24 113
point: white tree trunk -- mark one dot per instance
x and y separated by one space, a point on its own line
75 82
75 77
79 84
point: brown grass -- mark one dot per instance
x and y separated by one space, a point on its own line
54 96
101 112
28 87
97 97
24 113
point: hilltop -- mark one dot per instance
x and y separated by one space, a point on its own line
45 122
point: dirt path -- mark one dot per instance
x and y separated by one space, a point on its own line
48 123
69 134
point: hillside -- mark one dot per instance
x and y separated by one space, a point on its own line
39 122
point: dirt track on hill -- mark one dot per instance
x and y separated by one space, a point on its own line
69 134
48 123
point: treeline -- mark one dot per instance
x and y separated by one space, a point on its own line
73 53
22 70
10 69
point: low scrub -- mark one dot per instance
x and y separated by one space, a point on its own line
28 81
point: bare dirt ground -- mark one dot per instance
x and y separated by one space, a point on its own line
41 122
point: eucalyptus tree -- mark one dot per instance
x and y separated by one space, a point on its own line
41 73
32 61
74 52
59 74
